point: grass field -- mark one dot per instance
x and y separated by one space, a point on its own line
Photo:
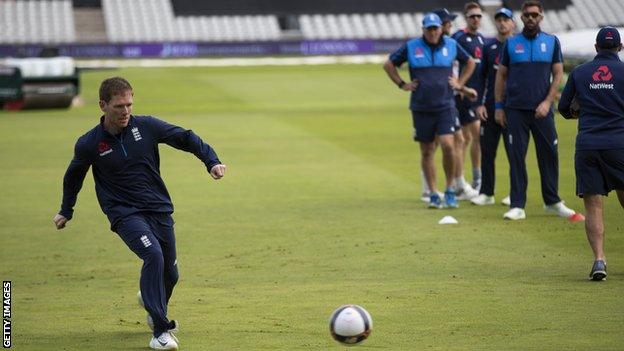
319 208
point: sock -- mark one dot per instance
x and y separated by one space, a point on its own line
460 182
476 175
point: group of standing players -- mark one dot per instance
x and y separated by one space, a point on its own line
468 91
503 87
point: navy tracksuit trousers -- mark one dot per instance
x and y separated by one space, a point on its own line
150 236
519 124
490 136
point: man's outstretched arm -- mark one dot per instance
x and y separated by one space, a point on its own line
186 140
72 183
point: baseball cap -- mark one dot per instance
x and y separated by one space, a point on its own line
431 20
503 11
608 37
445 15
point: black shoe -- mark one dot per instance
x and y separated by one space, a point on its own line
599 271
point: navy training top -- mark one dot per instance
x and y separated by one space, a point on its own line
431 65
598 86
530 63
492 51
473 44
126 167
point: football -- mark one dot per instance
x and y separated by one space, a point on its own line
350 324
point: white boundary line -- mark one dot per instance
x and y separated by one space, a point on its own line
227 62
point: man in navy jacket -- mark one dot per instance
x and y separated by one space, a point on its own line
491 131
598 88
123 151
524 95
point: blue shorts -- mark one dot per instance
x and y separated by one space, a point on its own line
429 124
599 171
466 113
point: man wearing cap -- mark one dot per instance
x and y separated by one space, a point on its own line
472 41
447 19
490 130
598 88
431 84
462 188
524 95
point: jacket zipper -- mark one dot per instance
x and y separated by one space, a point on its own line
120 140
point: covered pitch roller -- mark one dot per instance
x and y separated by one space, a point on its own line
31 83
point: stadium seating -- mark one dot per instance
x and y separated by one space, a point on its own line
36 22
52 21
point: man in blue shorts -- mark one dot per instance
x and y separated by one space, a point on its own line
123 151
594 94
524 94
431 84
491 131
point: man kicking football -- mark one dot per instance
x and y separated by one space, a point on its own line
123 150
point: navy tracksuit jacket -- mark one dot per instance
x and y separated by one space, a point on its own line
601 121
529 61
474 44
131 192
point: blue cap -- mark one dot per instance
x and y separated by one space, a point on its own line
431 20
445 15
608 37
503 11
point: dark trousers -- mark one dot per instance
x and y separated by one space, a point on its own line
491 133
151 237
519 124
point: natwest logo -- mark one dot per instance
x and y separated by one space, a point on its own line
418 52
602 74
104 148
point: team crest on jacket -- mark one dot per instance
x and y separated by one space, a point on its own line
104 148
519 48
136 134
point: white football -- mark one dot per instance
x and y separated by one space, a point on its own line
350 324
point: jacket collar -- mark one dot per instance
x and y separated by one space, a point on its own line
607 54
105 132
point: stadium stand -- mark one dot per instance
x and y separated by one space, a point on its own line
36 22
145 21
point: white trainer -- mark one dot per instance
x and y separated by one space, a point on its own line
483 200
467 193
506 201
164 342
424 197
515 214
559 209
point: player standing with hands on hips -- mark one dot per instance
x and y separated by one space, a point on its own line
431 84
123 151
524 95
598 87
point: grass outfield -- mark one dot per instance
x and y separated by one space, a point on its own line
319 208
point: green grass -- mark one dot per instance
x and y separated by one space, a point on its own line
319 208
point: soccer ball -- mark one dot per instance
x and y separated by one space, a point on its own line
350 324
